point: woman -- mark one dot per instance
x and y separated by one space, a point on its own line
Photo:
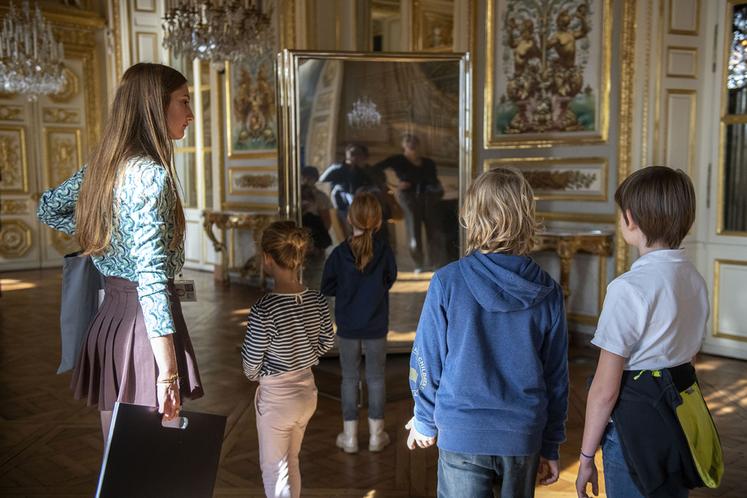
125 211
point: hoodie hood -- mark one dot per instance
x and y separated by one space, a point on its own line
379 252
504 282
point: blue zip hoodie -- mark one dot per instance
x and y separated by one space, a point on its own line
361 297
489 366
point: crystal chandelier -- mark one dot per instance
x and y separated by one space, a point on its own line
364 114
30 58
222 31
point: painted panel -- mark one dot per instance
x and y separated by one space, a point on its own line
680 129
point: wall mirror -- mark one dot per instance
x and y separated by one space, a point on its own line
396 125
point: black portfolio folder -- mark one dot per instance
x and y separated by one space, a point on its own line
144 459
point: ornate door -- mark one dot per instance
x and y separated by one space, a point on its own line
44 142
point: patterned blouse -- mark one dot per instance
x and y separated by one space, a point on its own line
142 232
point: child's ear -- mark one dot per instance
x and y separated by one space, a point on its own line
629 222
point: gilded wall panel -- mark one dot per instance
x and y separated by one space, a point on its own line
11 113
59 115
15 239
13 160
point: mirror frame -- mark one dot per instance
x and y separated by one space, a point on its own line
289 118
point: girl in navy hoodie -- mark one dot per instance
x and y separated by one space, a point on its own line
489 366
359 273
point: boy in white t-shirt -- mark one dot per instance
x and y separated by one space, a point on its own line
651 327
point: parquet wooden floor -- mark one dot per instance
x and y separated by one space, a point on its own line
50 444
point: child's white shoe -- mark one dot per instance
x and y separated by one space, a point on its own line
348 438
378 439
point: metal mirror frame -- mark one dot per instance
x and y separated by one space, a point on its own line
289 118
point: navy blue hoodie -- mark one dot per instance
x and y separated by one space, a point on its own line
361 297
489 366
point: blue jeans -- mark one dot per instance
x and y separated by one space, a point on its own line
617 476
350 362
462 475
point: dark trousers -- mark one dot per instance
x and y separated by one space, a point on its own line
422 209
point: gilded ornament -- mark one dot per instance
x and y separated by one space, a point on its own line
256 181
15 239
64 116
11 113
70 88
13 207
13 161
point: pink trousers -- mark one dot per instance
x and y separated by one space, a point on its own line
284 403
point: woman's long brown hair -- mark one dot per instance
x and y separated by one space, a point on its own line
136 126
365 215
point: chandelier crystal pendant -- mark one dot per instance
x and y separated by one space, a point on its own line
222 31
30 58
364 114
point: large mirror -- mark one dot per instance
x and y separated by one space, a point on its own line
394 125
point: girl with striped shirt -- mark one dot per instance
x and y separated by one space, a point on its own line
288 330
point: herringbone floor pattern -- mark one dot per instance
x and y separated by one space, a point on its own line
50 444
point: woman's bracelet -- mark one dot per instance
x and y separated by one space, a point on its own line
168 380
590 457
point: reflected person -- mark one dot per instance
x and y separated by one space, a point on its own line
351 176
419 192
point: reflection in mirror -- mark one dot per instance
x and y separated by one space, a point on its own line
386 26
390 127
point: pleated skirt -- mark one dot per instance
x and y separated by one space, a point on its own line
116 362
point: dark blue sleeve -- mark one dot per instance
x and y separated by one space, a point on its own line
390 273
427 358
331 174
554 356
329 275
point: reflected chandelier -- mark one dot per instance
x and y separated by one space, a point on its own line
221 31
30 58
364 114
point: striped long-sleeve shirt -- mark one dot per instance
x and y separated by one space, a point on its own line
286 332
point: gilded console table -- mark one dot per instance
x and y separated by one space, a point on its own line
225 221
566 243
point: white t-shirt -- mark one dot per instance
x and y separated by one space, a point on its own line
655 314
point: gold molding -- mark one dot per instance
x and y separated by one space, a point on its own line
647 76
527 162
11 113
70 89
624 159
691 50
61 16
689 32
692 125
14 206
49 161
91 91
58 115
716 290
22 246
116 33
249 206
266 170
600 218
536 140
21 131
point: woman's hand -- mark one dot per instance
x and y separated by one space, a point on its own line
548 471
417 439
587 473
169 401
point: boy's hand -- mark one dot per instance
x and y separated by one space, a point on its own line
548 472
416 438
587 473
